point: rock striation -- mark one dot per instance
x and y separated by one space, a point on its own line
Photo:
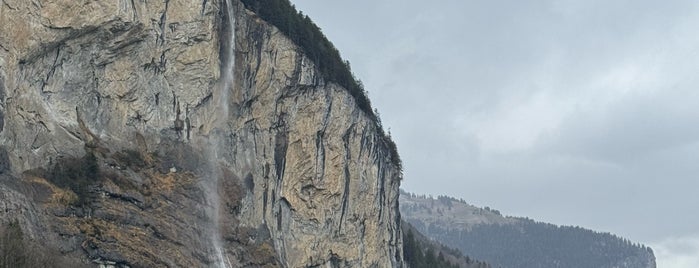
320 173
108 113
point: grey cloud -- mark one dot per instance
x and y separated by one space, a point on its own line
677 252
635 127
604 91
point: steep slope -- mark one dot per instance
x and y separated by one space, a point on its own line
186 133
324 180
518 242
421 251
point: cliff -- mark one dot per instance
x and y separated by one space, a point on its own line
185 133
485 234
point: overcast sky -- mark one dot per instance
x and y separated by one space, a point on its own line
575 112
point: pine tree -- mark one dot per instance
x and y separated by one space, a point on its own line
12 250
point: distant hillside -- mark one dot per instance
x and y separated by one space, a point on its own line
422 252
510 242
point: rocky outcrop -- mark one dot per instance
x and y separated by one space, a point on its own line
302 176
320 173
77 72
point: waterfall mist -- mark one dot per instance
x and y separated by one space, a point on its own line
215 140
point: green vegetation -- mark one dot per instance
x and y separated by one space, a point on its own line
416 258
18 252
76 174
420 253
535 244
130 158
517 242
12 246
307 35
527 243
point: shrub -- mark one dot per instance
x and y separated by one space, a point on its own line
12 252
130 158
76 174
299 28
18 252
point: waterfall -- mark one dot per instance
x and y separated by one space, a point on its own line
217 134
229 58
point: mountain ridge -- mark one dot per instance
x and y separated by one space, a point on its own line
485 234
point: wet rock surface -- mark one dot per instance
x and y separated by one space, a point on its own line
304 176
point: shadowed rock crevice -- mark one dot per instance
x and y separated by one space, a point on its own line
2 89
4 161
48 48
162 22
296 187
281 144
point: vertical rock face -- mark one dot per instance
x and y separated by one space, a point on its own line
305 169
319 173
75 72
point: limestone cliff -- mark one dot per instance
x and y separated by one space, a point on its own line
122 143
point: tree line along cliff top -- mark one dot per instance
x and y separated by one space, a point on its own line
307 35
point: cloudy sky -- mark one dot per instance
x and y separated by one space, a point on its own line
575 112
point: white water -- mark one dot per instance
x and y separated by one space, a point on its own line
227 74
215 140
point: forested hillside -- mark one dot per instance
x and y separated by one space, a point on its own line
518 242
422 252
